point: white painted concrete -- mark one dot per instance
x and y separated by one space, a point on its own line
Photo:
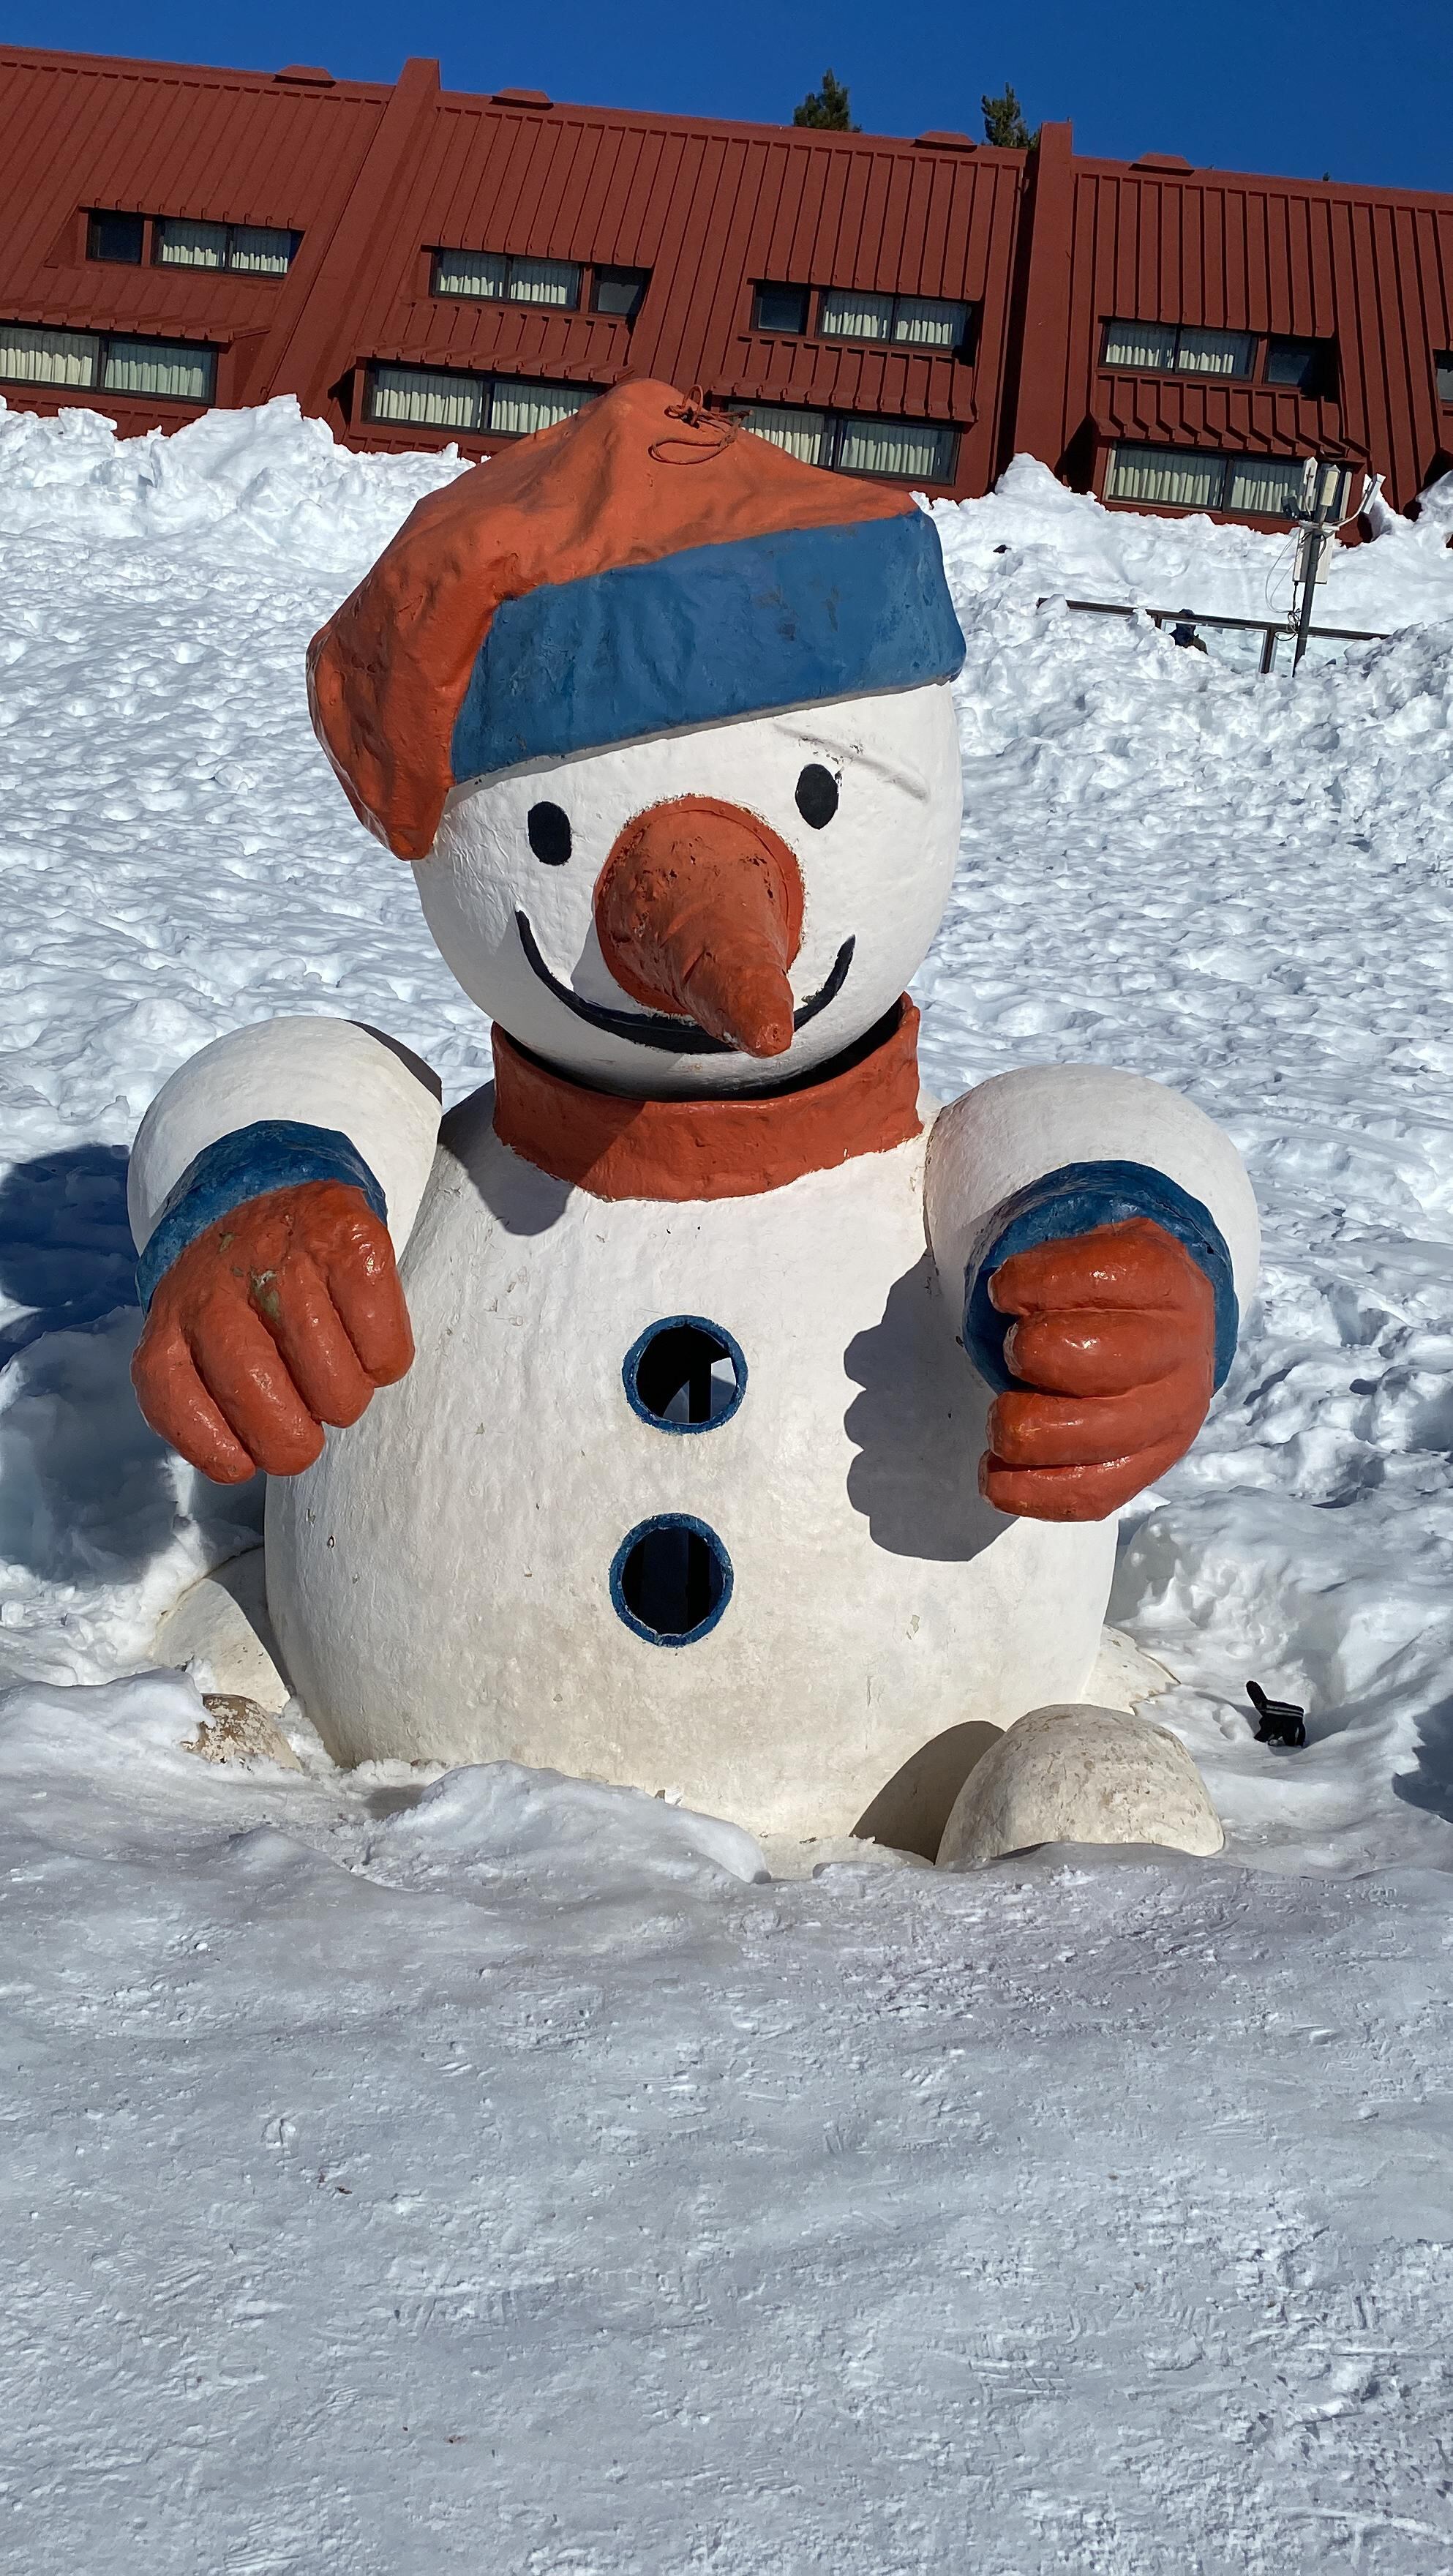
1080 1774
327 1073
439 1579
879 873
1020 1125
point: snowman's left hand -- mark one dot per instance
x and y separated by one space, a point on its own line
1114 1345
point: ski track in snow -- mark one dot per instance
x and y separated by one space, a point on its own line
497 2170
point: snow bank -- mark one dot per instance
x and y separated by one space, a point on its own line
390 2182
405 2170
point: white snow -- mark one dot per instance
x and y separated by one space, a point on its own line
491 2170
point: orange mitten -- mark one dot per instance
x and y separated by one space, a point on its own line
1113 1345
283 1315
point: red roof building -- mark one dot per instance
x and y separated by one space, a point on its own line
419 266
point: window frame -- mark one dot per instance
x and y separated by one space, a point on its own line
205 349
1443 366
507 260
837 425
98 215
1324 358
781 330
1228 459
811 327
1174 370
150 254
227 267
1323 365
485 380
611 269
893 298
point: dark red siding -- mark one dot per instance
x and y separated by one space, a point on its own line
1366 269
1045 246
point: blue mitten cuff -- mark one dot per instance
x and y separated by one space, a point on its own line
272 1154
1073 1200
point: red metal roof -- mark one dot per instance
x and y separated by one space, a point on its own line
375 177
1368 269
1046 247
708 210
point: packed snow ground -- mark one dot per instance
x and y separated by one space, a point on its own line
511 2175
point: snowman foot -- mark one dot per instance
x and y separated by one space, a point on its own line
1078 1774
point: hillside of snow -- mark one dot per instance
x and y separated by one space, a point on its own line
502 2171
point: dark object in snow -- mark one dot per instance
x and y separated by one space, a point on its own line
1281 1719
1185 635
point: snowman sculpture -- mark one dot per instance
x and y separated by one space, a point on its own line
700 1405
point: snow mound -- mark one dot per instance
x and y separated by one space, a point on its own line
270 477
492 1822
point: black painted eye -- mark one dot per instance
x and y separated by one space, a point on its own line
816 795
549 830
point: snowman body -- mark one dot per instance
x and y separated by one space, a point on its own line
681 1486
449 1582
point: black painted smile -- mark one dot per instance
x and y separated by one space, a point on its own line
657 1028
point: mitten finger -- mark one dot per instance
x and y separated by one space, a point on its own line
364 1284
1031 1430
1087 1352
1134 1264
246 1376
1088 1493
321 1360
179 1409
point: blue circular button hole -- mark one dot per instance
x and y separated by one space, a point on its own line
671 1579
685 1374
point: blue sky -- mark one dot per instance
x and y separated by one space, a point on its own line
1301 86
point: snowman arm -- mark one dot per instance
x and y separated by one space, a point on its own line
267 1107
1056 1151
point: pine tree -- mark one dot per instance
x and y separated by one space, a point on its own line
1004 122
827 107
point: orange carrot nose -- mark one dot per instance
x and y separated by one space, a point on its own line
699 911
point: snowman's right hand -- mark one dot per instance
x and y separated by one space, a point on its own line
284 1315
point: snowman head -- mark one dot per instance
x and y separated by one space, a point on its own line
684 792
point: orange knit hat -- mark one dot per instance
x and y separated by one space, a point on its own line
565 521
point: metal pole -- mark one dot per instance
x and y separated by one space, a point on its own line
1313 540
1317 528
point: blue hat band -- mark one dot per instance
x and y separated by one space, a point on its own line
707 634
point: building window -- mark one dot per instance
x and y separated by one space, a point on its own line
853 313
116 237
481 406
909 451
1305 366
32 357
807 435
516 408
913 451
1444 365
163 370
1178 478
619 291
424 398
906 321
779 308
252 250
1178 349
492 279
1266 487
